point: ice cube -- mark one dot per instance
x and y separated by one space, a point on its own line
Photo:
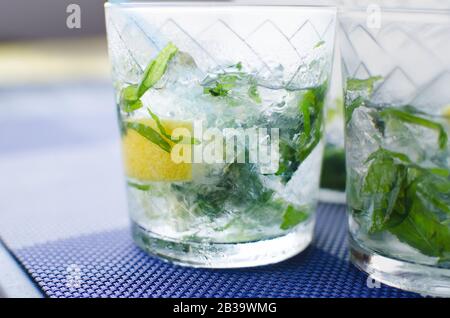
363 138
417 142
178 94
182 71
302 188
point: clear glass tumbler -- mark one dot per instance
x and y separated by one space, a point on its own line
221 113
396 66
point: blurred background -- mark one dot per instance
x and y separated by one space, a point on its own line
59 140
37 46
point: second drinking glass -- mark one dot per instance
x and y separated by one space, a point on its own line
397 109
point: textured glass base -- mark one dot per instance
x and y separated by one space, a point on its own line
423 279
225 255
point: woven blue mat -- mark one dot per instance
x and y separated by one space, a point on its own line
108 264
67 134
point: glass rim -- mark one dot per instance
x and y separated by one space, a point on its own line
214 4
441 17
392 10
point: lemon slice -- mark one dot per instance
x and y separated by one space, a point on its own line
146 161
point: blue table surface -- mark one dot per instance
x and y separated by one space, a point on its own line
64 213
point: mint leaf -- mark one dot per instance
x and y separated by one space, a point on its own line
156 69
131 106
142 187
308 101
130 95
434 189
410 201
312 133
163 132
384 153
357 102
297 145
222 85
150 134
161 128
354 84
292 217
129 99
383 185
232 78
361 87
408 117
422 228
319 44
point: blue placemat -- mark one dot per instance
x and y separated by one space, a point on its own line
63 213
108 264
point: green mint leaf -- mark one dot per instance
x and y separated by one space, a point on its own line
215 91
440 172
313 103
422 229
132 106
161 128
357 102
296 146
142 187
387 154
410 118
308 101
410 201
232 78
222 85
156 69
130 95
354 84
150 134
129 99
293 217
163 132
383 185
434 190
319 44
360 87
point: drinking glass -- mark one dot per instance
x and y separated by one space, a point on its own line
221 113
396 65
